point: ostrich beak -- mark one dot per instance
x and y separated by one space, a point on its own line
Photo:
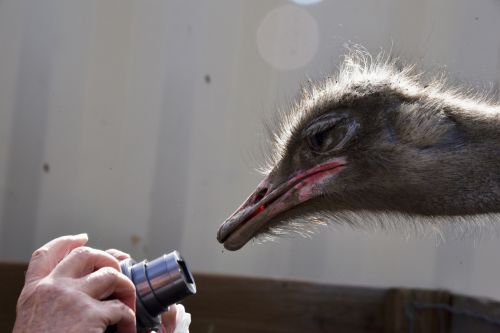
271 199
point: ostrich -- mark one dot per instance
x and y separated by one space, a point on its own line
375 138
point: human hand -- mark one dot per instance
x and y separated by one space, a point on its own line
67 289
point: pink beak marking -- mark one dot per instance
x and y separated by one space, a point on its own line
267 202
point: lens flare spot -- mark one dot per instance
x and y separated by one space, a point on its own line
306 2
288 37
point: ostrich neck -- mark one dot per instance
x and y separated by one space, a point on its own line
465 178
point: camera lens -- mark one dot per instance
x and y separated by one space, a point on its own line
159 283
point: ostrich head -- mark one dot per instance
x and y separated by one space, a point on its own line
375 138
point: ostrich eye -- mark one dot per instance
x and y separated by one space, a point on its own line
328 133
327 139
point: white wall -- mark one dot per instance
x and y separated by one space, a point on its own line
145 155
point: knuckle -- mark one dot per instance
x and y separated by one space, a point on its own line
85 252
123 307
82 251
45 286
86 308
117 253
40 253
118 305
109 272
46 289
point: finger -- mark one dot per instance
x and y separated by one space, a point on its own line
45 259
118 254
115 312
84 260
180 323
168 320
107 281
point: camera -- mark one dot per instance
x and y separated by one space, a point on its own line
158 283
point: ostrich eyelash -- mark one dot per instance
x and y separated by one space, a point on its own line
324 123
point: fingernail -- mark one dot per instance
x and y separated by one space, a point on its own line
83 235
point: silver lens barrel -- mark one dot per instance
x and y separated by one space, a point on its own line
159 283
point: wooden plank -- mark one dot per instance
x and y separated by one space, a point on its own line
400 311
247 305
11 283
475 315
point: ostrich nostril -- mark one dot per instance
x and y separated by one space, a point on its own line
260 195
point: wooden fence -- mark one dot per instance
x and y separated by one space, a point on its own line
229 304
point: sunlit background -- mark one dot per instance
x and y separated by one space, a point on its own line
141 122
